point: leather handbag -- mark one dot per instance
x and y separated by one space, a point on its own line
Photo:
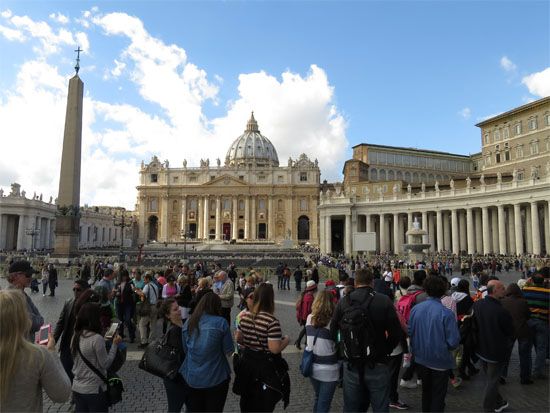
161 359
306 365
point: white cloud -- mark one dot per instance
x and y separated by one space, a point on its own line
6 14
295 111
465 113
507 64
12 34
538 83
59 18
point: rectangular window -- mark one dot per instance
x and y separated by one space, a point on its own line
241 177
154 178
175 179
261 178
280 179
303 204
192 179
532 123
547 117
212 177
506 133
518 128
486 139
519 151
303 176
497 135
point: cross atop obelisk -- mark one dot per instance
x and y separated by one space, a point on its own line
67 222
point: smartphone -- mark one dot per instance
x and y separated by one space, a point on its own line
112 331
42 335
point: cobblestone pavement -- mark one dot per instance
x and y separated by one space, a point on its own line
145 392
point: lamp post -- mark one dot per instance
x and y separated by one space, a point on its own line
33 232
184 235
121 222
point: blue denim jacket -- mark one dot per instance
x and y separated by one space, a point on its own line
433 331
205 363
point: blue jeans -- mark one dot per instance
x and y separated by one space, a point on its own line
540 330
377 391
324 392
525 363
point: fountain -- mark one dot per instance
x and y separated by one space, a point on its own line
416 246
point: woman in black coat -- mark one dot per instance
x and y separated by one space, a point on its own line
52 279
125 305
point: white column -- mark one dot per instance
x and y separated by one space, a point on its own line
183 228
425 226
486 232
21 232
501 230
200 218
164 224
409 224
401 231
446 232
382 233
511 231
494 229
470 231
322 235
328 230
528 231
396 235
270 221
462 230
439 224
547 227
347 235
431 232
535 228
2 231
478 230
218 218
368 222
454 225
234 230
206 213
247 218
253 225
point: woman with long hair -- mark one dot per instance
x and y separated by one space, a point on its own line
125 304
26 368
206 341
176 392
326 368
88 388
262 375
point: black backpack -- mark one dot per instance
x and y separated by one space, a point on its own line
357 331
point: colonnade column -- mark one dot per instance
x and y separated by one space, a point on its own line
547 227
368 222
454 229
511 230
501 230
21 232
206 217
447 246
234 231
218 218
528 231
409 224
328 230
246 218
486 232
479 232
431 232
439 224
535 228
462 231
425 226
322 235
164 224
382 232
347 235
396 234
470 231
253 217
494 231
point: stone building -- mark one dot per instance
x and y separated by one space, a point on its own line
248 198
495 201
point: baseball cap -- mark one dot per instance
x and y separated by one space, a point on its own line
455 281
22 266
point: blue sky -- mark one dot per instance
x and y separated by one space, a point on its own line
178 79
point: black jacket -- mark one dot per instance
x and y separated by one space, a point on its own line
387 329
65 326
495 329
519 310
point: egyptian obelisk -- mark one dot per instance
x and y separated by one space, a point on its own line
67 222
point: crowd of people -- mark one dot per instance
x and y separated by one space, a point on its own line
369 332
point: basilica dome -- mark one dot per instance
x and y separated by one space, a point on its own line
252 148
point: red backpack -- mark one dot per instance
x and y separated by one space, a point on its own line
405 304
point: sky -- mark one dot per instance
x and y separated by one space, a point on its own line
178 79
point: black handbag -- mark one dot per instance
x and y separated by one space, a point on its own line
306 365
161 359
114 384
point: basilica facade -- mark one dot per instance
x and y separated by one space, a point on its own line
250 198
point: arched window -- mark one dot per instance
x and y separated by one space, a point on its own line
373 174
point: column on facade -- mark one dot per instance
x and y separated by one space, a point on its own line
439 224
328 232
2 231
425 226
494 230
247 218
462 230
253 225
470 231
218 218
347 234
454 229
270 219
547 227
234 230
200 218
322 235
511 231
368 222
206 217
382 232
183 224
164 219
501 230
528 231
478 230
143 234
396 234
21 232
535 228
409 224
400 230
431 232
51 226
486 230
446 232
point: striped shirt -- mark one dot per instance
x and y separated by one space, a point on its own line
538 299
326 367
256 331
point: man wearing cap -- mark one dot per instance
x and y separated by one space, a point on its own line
19 277
65 327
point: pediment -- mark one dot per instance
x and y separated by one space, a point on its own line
225 180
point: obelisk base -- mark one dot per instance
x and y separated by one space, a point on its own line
67 230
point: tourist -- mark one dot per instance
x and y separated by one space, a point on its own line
262 377
495 331
44 280
125 306
206 341
52 279
298 275
107 282
367 383
286 278
279 273
64 328
148 321
518 308
19 277
303 309
170 288
225 289
325 373
27 368
464 303
184 297
176 389
433 333
89 390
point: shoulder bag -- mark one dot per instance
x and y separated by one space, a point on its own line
144 307
306 365
113 382
161 359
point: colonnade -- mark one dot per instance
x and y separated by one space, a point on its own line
22 231
503 228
